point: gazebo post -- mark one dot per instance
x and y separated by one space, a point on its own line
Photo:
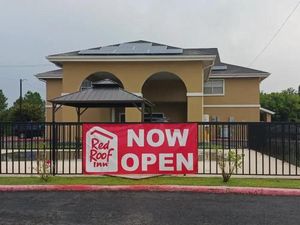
77 131
151 114
53 111
113 114
78 114
143 112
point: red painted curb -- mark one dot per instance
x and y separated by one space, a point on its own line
158 188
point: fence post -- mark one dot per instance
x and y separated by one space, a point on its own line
53 139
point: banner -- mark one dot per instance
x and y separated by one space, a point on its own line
144 148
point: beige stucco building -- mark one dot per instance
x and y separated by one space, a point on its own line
184 84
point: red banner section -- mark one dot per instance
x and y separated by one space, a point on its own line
156 148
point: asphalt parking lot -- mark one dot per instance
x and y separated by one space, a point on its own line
146 208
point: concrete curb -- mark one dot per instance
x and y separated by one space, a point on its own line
157 188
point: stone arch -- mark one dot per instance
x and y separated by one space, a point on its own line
169 94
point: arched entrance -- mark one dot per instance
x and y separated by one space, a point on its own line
104 114
168 92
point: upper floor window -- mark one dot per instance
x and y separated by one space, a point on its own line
214 87
86 84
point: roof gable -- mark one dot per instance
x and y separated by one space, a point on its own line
52 74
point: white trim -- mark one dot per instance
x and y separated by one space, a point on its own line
213 95
220 67
138 94
49 77
64 93
239 75
194 94
131 58
233 106
206 73
266 110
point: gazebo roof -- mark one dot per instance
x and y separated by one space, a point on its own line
104 93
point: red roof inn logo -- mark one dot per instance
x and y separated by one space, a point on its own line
102 151
140 148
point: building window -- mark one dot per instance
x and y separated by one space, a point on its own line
214 87
86 84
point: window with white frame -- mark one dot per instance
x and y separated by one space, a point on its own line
214 87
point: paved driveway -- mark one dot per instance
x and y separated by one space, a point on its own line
146 208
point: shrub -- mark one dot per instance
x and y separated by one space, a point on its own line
228 163
44 168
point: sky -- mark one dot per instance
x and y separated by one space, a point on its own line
32 29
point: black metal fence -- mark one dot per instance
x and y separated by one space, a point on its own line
263 148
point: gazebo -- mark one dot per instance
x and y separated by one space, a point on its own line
103 94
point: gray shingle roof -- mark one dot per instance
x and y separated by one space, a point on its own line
58 74
199 51
219 69
105 93
203 51
232 70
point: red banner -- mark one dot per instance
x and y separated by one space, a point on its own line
157 148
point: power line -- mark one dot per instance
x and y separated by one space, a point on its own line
35 86
12 77
275 34
25 65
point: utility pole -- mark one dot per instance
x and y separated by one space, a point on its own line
21 98
20 95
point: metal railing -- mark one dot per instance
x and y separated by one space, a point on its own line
265 148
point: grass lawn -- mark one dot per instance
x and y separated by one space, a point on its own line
162 180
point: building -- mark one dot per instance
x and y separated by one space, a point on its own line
184 84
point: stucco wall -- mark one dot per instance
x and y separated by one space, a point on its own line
237 91
133 75
242 93
53 89
239 114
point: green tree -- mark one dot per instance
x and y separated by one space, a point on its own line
285 104
33 108
3 106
